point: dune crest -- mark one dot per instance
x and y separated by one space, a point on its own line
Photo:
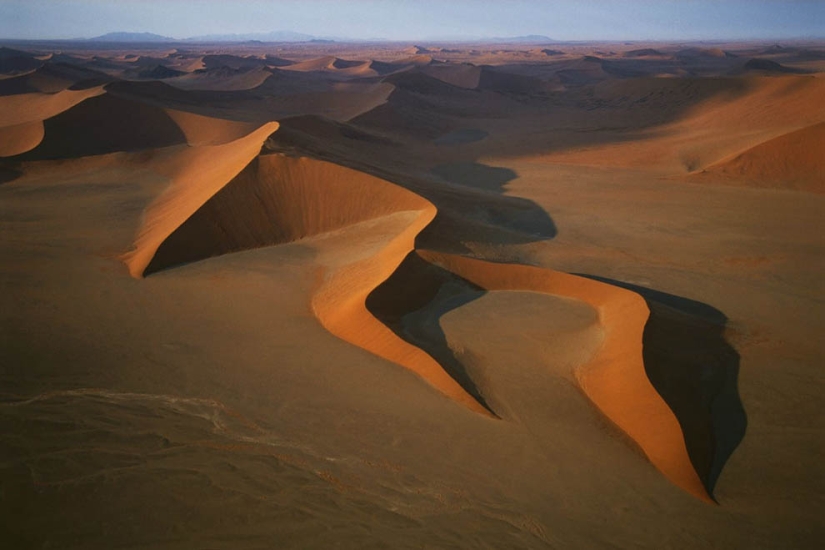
791 161
615 379
195 174
276 199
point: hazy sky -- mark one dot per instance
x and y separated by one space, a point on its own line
420 19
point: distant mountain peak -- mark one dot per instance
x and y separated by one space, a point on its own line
131 37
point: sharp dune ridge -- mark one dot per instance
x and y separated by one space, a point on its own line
571 254
277 199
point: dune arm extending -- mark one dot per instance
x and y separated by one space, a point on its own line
340 306
197 174
615 380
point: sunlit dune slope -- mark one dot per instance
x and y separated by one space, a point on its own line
795 160
22 116
615 379
278 199
195 174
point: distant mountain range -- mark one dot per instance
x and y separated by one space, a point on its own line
130 37
288 36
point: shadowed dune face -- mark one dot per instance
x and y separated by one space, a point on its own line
276 199
428 291
474 210
106 124
695 370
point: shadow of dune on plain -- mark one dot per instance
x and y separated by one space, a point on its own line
476 175
695 370
9 173
411 301
473 208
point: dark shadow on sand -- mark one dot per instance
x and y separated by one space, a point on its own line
695 370
411 301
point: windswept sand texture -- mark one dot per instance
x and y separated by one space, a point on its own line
380 296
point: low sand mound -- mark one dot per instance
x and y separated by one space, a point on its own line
20 138
275 61
463 75
706 53
382 68
334 66
317 64
232 61
795 160
53 78
160 72
615 378
503 82
643 52
580 72
14 62
768 66
222 79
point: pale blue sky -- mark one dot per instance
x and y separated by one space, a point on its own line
421 19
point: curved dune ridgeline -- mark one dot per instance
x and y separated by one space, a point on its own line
615 379
276 199
22 116
196 174
791 161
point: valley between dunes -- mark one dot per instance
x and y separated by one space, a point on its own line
377 296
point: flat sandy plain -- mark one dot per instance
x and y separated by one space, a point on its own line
393 296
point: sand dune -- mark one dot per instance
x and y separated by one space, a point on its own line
222 79
20 138
790 161
509 298
278 199
615 379
201 130
305 197
18 109
195 175
22 116
106 124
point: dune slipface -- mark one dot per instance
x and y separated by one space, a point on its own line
278 199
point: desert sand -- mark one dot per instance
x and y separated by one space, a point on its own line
412 296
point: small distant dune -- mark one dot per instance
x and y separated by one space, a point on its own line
106 124
463 75
222 79
768 66
643 52
22 117
14 62
712 53
160 72
233 61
